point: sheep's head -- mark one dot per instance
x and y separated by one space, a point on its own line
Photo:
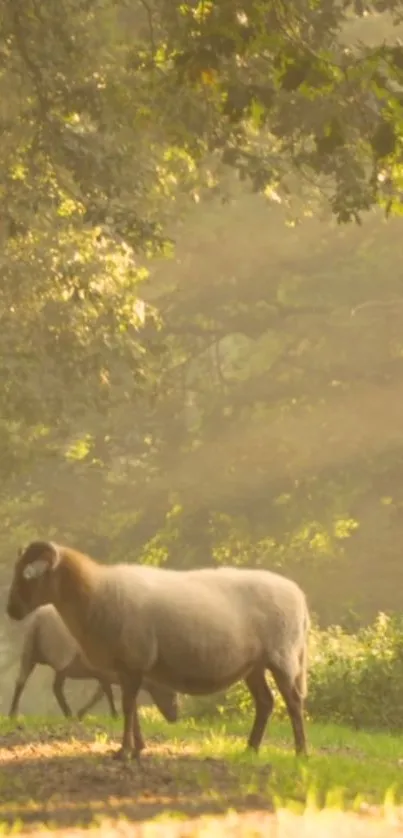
32 583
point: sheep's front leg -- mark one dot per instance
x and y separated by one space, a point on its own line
132 740
25 671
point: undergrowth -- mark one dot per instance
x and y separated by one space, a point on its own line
354 679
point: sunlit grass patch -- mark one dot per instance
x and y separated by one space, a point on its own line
191 767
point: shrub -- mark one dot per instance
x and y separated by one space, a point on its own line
354 679
358 679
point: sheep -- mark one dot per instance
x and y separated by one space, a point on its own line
48 641
196 631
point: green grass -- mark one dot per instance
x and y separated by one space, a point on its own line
206 762
358 764
344 766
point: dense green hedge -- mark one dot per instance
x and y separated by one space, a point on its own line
353 679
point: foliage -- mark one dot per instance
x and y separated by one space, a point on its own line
354 680
186 90
357 680
273 455
217 405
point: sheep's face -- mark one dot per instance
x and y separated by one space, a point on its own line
32 582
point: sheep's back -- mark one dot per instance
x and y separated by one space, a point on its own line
275 605
142 610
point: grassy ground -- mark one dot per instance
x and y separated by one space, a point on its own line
60 775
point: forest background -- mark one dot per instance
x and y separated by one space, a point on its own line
201 291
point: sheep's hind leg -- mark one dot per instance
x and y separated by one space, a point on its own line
103 689
16 698
109 696
97 695
58 684
295 704
132 740
264 703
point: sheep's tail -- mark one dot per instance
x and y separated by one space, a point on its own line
301 680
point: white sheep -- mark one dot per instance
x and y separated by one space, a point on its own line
48 642
196 631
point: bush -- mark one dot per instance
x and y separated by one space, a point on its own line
358 679
353 679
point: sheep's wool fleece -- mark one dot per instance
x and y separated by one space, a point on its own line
57 645
209 622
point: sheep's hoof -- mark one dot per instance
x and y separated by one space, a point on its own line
251 747
138 748
122 755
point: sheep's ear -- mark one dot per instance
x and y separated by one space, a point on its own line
55 554
35 569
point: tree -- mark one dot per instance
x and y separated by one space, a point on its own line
122 422
116 102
